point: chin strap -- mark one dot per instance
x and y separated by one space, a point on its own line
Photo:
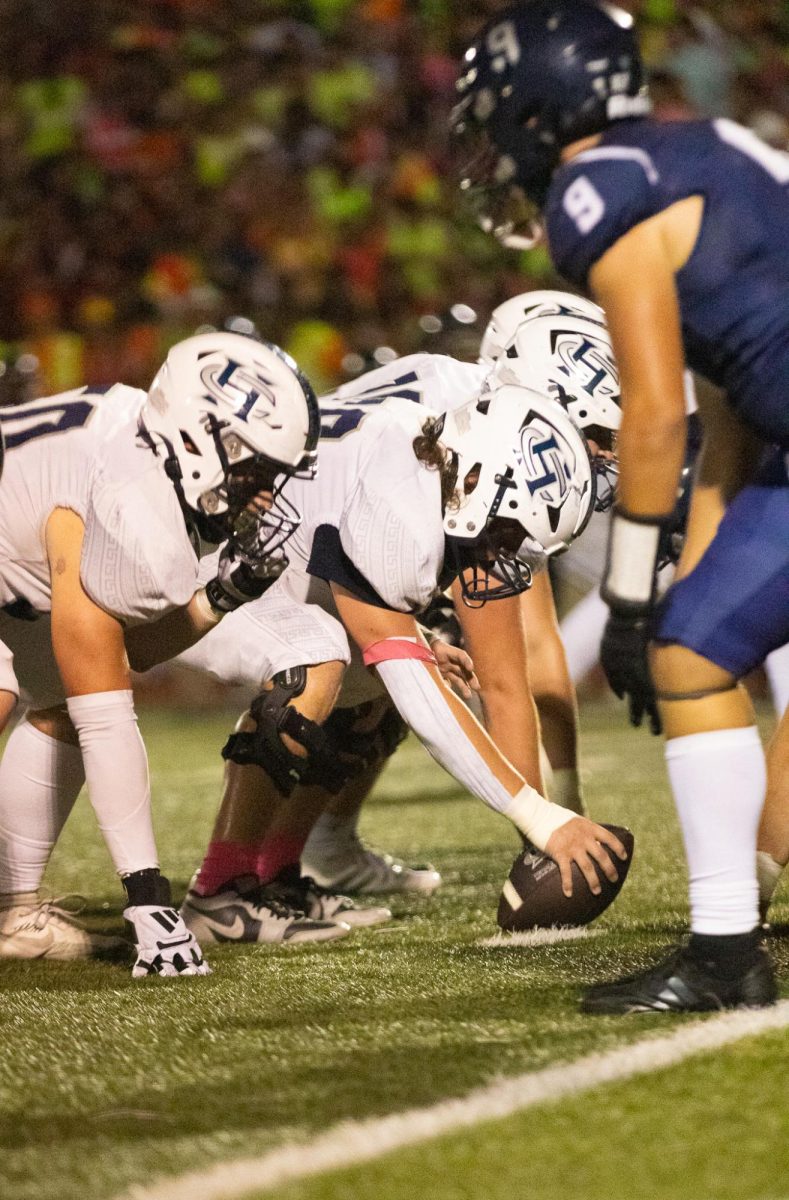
199 527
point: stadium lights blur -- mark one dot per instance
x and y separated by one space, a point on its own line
463 314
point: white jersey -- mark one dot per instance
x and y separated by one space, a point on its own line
435 380
384 504
371 521
81 450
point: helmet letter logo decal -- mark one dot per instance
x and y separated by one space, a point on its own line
240 387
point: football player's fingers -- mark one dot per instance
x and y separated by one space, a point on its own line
565 865
612 841
601 856
465 661
458 683
636 711
655 722
586 864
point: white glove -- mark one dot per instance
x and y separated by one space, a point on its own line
164 944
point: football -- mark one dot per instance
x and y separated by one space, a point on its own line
532 896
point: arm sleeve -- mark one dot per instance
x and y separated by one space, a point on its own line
423 705
116 771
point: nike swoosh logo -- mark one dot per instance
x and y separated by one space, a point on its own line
223 932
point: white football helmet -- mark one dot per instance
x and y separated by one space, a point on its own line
233 414
570 359
510 315
525 488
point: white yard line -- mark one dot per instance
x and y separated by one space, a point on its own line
537 937
353 1142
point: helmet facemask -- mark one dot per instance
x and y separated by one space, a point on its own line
250 506
489 181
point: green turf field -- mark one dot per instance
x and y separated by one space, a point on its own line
105 1081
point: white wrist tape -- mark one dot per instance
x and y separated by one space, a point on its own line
210 614
632 560
116 770
536 817
423 705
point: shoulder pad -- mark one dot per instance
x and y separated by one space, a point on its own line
391 528
137 562
593 201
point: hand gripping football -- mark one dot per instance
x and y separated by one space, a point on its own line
532 896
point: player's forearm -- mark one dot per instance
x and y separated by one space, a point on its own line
651 448
452 735
148 645
511 721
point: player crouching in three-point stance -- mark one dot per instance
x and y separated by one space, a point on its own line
681 232
105 504
404 502
556 344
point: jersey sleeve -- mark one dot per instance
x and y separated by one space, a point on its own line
593 202
391 529
137 562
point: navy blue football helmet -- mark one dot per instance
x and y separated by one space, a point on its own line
541 74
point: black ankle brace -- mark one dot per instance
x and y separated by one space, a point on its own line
148 886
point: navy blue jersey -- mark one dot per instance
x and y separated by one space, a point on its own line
734 288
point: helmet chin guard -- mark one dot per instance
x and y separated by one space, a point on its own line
525 488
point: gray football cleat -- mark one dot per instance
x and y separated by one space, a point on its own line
248 911
320 904
349 866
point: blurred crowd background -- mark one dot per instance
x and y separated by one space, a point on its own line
175 164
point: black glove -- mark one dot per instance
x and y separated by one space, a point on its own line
240 579
623 656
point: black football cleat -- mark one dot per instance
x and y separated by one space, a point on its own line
682 983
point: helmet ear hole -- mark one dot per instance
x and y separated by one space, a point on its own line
471 479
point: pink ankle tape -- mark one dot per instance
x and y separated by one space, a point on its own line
224 861
277 852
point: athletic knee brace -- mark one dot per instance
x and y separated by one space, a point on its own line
358 749
263 747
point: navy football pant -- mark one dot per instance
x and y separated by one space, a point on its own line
733 609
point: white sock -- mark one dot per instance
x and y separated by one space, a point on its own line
719 780
40 779
776 666
581 630
565 789
768 872
116 767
